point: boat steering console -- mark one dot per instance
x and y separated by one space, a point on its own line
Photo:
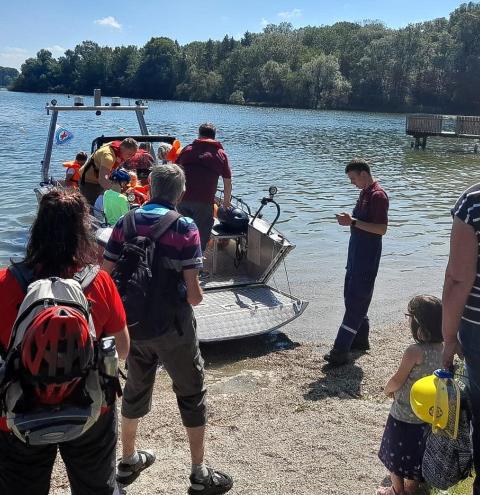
272 190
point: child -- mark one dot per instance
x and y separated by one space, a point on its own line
115 202
72 174
135 190
403 442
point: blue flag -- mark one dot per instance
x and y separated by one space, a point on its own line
62 135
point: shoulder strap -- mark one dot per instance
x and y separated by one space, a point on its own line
129 227
86 276
22 274
164 223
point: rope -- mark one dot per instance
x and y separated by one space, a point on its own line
286 274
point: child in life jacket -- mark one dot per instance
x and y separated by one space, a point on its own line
135 193
72 174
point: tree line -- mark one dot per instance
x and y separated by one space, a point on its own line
7 76
428 66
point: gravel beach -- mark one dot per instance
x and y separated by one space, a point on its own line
278 422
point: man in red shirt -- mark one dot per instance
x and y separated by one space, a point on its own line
368 223
203 162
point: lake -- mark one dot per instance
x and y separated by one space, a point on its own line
303 153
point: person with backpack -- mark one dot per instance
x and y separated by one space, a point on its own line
59 369
154 256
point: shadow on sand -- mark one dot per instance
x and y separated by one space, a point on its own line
229 351
342 382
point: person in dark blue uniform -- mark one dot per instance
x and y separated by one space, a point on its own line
368 223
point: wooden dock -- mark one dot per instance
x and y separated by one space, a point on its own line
421 126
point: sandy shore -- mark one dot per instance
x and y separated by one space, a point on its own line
278 422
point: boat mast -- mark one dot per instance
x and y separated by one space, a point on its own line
78 106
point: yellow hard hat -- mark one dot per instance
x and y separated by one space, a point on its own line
429 399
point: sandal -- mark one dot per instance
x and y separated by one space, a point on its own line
128 473
215 483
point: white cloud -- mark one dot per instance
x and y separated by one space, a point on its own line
56 50
11 56
108 21
292 14
264 22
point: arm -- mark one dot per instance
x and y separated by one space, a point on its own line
194 291
122 342
459 279
107 162
227 192
411 357
103 175
345 219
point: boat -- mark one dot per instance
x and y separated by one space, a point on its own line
238 298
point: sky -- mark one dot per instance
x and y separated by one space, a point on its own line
26 27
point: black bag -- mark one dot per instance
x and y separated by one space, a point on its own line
448 461
135 270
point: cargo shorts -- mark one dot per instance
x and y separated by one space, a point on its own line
179 353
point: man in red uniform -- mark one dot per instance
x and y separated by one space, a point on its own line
368 224
204 161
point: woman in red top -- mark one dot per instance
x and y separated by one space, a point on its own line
61 244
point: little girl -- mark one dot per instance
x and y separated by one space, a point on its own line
403 442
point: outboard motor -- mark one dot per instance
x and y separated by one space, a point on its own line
232 220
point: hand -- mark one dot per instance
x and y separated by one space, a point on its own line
344 219
449 351
227 204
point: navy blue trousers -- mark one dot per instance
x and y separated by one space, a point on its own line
469 336
364 252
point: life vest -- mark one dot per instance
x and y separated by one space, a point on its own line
174 151
115 146
75 166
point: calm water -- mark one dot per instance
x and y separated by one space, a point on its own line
304 154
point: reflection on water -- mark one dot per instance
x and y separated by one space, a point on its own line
302 152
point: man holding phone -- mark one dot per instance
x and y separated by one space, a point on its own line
368 223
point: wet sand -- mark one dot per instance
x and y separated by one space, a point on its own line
278 422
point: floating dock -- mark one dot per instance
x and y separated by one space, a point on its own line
421 126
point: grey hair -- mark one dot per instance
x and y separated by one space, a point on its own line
167 183
130 144
163 149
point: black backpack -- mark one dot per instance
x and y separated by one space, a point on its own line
145 302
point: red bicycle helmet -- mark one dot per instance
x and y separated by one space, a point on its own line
56 350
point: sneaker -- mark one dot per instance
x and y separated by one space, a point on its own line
128 473
216 482
337 358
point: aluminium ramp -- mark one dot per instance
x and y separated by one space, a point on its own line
244 311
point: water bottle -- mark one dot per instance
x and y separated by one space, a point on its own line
108 356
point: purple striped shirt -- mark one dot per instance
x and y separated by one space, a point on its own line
179 247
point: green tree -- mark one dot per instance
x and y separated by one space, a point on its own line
156 76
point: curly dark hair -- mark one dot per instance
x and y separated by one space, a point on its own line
426 319
61 240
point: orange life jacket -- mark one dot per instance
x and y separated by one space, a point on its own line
174 151
75 166
115 145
